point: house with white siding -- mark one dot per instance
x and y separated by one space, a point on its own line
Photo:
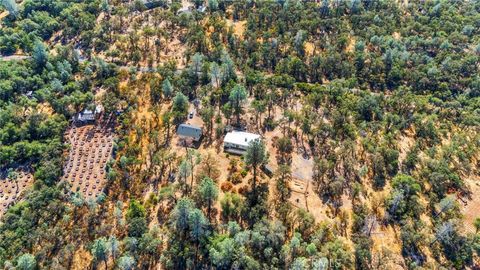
236 142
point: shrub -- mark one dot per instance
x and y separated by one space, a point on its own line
226 186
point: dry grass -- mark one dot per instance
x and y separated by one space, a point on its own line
303 195
404 144
309 48
396 35
351 44
82 260
238 27
45 108
3 14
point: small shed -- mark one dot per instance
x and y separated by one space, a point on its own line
187 131
202 8
151 4
29 94
237 142
268 170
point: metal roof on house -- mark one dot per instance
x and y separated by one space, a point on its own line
189 131
240 138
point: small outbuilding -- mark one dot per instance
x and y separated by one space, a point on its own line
29 94
151 4
186 131
237 142
184 10
202 8
268 170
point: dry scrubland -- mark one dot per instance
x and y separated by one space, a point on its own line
367 112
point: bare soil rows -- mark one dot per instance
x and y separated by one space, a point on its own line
12 187
91 147
471 210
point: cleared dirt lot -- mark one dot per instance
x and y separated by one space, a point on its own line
90 149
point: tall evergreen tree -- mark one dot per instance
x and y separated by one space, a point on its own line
39 54
255 157
237 97
208 192
11 7
179 108
167 89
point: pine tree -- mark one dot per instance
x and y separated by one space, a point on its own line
197 63
179 108
208 192
255 157
100 251
40 55
213 5
215 75
26 262
126 263
11 7
167 89
180 215
237 97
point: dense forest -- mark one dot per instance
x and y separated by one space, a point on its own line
368 113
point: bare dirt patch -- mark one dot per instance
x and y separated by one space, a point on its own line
14 57
404 144
351 44
396 35
45 108
238 27
3 14
82 259
309 48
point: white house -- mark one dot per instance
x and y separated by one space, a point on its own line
87 115
236 142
